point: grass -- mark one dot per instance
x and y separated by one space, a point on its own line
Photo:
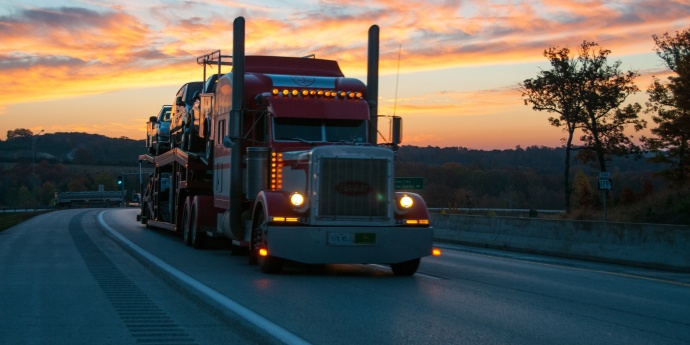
8 220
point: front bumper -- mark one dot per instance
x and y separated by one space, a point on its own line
349 245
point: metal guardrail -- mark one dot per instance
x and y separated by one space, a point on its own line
497 210
26 209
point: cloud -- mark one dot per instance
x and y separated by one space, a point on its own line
454 103
50 53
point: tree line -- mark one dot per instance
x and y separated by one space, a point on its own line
34 167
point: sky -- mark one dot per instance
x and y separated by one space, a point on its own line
449 68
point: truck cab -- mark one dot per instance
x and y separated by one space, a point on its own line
309 170
158 131
293 169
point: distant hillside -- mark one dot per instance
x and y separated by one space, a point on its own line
453 177
519 178
74 148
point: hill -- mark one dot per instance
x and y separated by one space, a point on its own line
73 148
454 177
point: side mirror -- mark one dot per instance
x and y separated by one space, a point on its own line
179 101
396 130
153 119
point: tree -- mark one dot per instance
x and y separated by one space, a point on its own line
605 89
558 91
19 133
671 104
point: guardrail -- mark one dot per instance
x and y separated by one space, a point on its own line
496 210
646 245
26 209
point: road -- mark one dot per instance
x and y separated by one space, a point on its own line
98 276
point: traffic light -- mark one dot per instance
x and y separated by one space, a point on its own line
119 180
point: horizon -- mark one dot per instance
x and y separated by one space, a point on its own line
449 69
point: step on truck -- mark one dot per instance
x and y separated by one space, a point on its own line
292 169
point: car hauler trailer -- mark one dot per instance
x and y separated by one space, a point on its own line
293 170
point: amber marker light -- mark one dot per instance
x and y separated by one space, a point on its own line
435 252
263 252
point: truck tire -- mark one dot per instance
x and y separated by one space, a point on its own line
268 264
209 149
198 239
405 268
186 223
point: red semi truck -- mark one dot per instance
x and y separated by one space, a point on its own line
292 169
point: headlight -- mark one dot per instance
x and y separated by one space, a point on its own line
297 199
406 201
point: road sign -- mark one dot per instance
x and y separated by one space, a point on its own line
604 175
409 183
604 184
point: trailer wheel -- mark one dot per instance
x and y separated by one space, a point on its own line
405 268
209 149
198 240
185 223
268 264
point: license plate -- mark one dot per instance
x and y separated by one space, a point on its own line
348 238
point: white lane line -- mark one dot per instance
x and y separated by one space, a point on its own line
254 318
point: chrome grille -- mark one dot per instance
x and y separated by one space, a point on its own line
353 187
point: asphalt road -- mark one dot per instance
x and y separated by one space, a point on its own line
98 276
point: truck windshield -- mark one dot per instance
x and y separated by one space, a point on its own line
318 130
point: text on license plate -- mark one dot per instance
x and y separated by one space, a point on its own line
348 238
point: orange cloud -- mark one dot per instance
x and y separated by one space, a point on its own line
67 52
454 104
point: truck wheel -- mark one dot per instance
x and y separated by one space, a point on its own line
406 268
185 223
268 264
209 149
198 240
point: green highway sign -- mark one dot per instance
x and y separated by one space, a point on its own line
409 183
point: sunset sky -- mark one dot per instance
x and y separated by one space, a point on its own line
105 66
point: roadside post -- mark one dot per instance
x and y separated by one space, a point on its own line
605 186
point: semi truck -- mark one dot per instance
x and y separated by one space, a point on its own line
292 169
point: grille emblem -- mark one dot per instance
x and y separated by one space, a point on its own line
353 187
303 81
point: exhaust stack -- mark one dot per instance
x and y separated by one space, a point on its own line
373 82
235 126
